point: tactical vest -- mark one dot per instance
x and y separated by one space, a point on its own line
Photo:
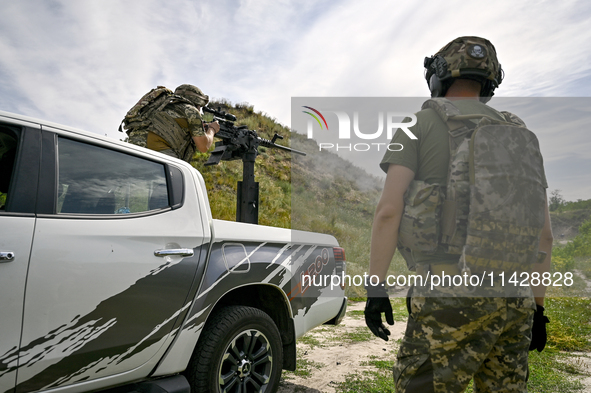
491 211
148 114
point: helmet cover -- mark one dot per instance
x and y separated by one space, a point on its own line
193 94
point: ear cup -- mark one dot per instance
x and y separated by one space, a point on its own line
439 87
435 86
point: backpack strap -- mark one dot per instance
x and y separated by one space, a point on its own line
450 113
444 107
459 125
453 214
511 118
446 110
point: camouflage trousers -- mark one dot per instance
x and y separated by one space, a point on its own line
451 340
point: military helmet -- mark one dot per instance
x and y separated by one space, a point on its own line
472 58
193 94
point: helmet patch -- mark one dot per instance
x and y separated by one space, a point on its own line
476 51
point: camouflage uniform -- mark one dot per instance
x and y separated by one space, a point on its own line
171 129
451 340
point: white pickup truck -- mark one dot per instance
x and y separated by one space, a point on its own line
114 276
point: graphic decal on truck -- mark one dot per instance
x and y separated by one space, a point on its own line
283 259
116 331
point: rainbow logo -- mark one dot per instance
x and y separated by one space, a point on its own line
314 116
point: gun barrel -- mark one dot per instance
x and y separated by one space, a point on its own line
268 143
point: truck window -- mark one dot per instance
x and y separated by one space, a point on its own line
8 145
96 180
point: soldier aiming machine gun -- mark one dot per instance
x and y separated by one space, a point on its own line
240 143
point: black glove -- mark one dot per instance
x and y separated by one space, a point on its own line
378 303
538 330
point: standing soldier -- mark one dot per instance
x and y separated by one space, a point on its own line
171 123
451 339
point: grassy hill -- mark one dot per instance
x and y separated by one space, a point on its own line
565 224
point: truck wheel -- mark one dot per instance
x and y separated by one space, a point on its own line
240 350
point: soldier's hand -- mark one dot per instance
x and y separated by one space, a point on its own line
214 125
378 303
538 330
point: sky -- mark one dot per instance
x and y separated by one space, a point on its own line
84 63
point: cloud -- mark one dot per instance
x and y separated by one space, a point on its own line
72 60
85 63
356 50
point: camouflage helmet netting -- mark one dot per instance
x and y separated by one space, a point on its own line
193 94
469 56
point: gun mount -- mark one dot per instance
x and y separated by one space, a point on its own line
240 143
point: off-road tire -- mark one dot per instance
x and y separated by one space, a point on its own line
239 348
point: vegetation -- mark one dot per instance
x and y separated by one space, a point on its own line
570 324
563 258
557 203
378 380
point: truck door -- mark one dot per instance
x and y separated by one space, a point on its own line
19 163
114 259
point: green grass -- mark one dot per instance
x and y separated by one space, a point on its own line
356 314
584 265
549 373
399 309
309 340
570 324
377 380
304 367
569 206
359 334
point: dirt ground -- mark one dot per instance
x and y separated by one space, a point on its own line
339 356
332 352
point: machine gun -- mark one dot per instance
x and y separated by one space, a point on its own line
240 143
